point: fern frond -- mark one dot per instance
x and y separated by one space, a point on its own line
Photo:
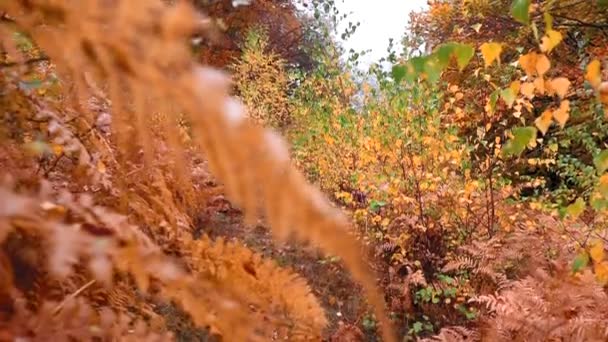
276 292
454 334
253 163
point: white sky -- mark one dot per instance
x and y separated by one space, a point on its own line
380 20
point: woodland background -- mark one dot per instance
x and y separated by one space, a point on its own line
224 170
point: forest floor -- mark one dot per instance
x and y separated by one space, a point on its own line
330 282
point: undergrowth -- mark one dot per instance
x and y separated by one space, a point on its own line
464 190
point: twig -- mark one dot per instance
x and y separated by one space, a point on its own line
52 167
72 296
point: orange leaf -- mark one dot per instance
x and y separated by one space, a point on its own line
562 114
527 89
603 90
57 149
601 272
597 252
528 63
559 86
543 122
542 65
539 84
593 75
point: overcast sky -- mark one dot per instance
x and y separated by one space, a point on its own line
380 20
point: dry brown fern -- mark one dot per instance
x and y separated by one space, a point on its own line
138 49
274 293
453 334
548 307
72 232
75 319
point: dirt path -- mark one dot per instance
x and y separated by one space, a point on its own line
329 280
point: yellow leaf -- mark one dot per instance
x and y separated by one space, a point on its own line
597 252
528 63
515 86
550 41
593 75
385 222
544 121
542 65
559 86
562 114
527 89
490 52
601 272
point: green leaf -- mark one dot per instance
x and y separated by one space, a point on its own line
599 203
521 138
418 64
443 53
601 162
399 72
575 209
508 95
580 261
464 53
494 99
520 9
376 205
548 21
433 68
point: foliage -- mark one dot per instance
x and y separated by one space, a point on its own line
252 162
261 81
475 167
431 151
